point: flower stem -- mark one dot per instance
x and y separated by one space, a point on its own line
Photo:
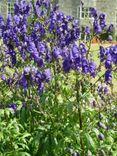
78 90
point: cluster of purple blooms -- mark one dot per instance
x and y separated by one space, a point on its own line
30 76
35 77
40 33
108 56
75 57
99 24
99 21
102 89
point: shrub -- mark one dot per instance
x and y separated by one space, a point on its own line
49 78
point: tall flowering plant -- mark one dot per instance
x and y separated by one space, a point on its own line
46 68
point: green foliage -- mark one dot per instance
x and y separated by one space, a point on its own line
14 139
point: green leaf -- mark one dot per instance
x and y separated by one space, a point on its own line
96 131
18 102
110 139
1 112
24 146
90 141
26 135
19 154
55 141
1 136
7 112
114 153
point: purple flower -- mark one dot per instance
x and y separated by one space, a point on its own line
82 45
75 51
23 82
1 22
38 76
102 24
108 62
102 54
101 136
48 75
48 56
1 25
99 89
108 76
105 90
9 22
85 66
41 87
93 12
92 68
3 77
57 53
17 19
13 56
22 8
9 81
113 52
39 61
102 16
41 47
110 38
87 30
66 65
27 72
98 29
83 52
75 23
111 28
13 106
23 29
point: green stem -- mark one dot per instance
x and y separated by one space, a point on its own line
78 90
55 84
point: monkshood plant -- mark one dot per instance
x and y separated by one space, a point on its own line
56 93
